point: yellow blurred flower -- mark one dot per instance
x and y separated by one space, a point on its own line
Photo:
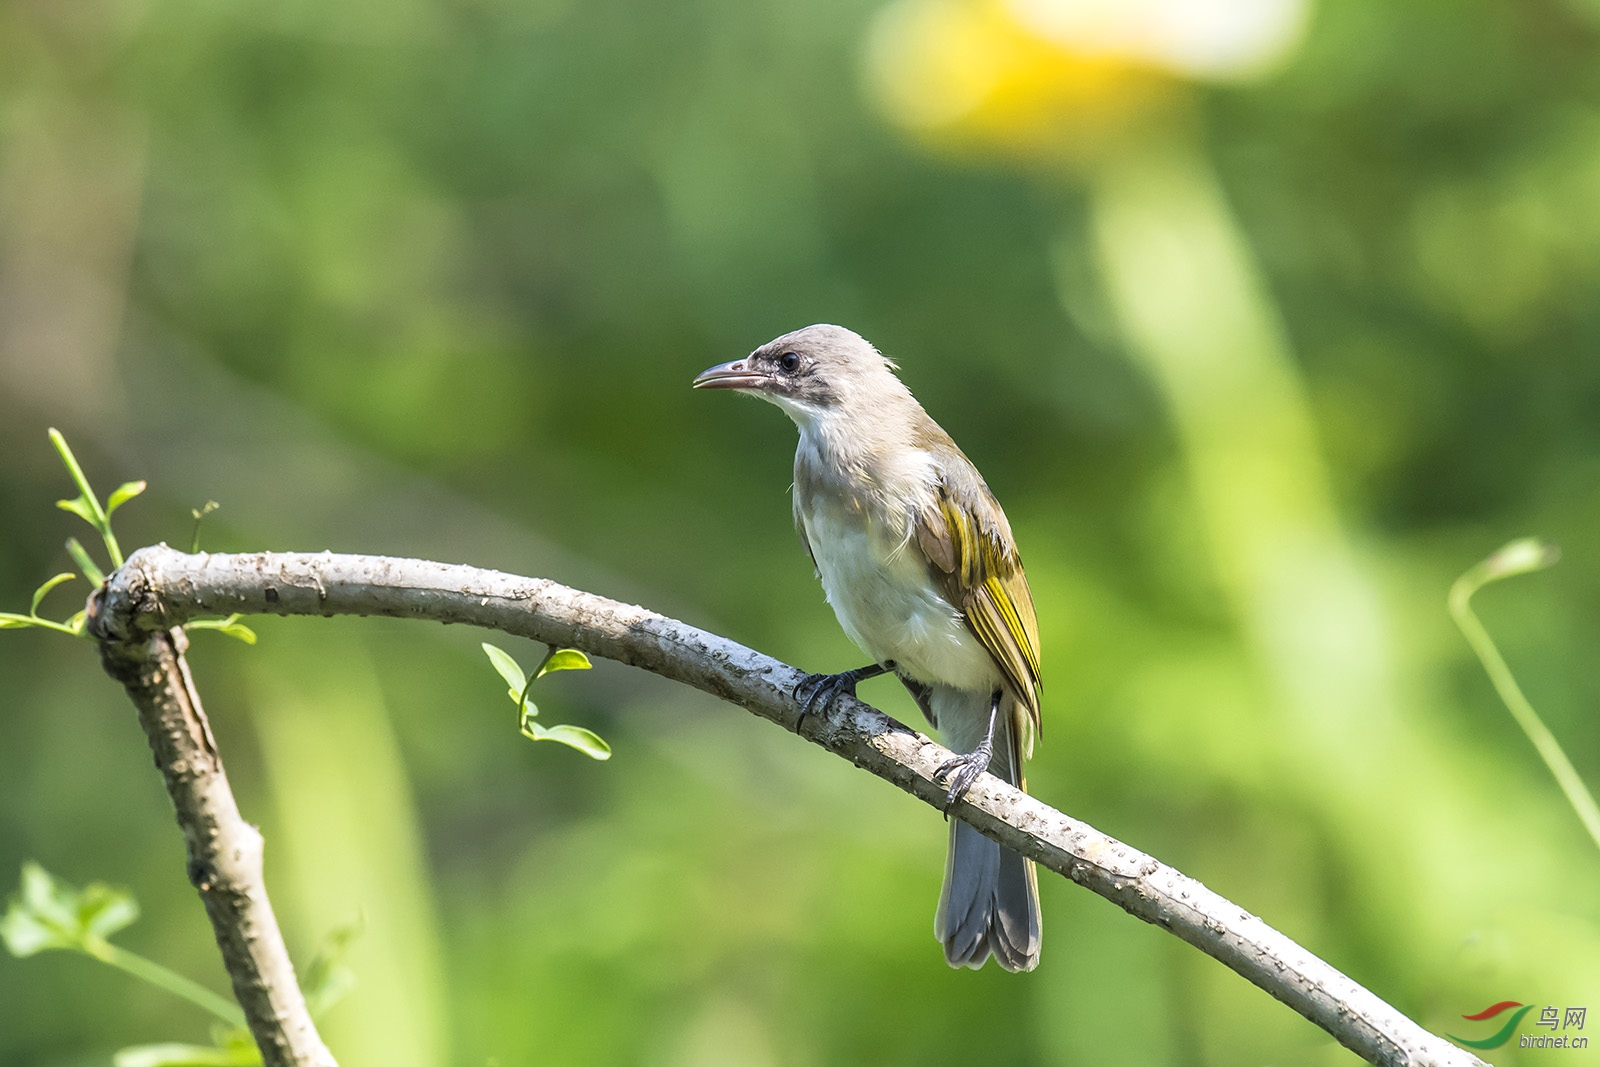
1062 76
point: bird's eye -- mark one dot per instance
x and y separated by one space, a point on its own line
789 362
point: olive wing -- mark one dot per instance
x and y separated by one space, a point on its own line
971 553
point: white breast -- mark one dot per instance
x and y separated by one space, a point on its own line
879 587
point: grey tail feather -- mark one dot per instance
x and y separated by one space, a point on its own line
990 900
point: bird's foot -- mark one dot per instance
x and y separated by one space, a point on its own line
820 690
963 770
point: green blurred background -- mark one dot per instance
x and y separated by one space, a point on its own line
1256 365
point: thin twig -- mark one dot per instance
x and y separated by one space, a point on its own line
225 852
161 588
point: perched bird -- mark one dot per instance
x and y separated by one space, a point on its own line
918 561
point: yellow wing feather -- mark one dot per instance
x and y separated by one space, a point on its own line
971 553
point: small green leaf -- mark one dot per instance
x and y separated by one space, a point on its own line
102 910
230 626
176 1055
77 622
43 895
9 621
124 493
564 659
47 913
327 979
239 631
40 593
586 741
85 562
26 934
41 916
80 507
508 670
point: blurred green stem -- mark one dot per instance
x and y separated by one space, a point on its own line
171 981
1520 557
1195 315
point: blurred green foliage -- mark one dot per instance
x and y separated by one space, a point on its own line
46 914
432 277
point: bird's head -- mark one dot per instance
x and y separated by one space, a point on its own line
810 373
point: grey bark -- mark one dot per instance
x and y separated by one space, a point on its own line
160 588
224 851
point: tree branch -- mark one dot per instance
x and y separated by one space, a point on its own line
225 852
161 588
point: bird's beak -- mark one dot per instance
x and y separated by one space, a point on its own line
735 375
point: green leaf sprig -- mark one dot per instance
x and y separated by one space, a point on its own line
557 659
73 626
86 505
47 914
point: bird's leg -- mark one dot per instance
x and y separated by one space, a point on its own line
963 770
825 687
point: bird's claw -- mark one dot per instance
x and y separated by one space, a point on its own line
964 769
825 688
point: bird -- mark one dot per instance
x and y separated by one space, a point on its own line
920 566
